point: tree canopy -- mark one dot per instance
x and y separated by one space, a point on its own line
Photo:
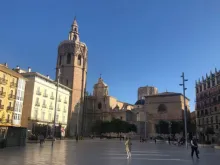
115 125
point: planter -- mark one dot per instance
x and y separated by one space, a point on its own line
32 141
206 145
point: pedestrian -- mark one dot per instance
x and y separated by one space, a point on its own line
41 138
169 140
77 138
155 140
128 147
194 147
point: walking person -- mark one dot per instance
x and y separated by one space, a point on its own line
169 140
155 140
128 147
194 147
41 138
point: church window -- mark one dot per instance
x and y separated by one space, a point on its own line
79 60
68 60
99 105
60 61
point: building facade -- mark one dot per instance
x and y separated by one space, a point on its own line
40 101
72 63
167 106
146 91
101 106
208 102
12 86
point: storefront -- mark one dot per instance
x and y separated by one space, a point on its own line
12 136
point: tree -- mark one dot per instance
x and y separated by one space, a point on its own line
176 127
209 131
162 127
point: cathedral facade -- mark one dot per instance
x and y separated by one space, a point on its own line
101 106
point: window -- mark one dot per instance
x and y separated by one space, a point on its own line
43 115
219 98
8 117
19 117
79 60
67 82
49 117
211 119
0 102
203 121
200 88
207 120
60 61
215 109
216 127
2 89
206 112
10 104
68 60
35 114
11 92
216 119
204 86
57 118
99 105
64 119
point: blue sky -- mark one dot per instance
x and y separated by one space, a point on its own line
131 42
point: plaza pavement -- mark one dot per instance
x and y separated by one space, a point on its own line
104 152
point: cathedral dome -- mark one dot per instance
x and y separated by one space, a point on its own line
100 83
140 102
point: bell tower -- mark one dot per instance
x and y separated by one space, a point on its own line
72 62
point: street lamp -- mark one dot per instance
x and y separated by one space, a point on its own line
55 109
185 109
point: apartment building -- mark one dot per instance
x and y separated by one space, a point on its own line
12 87
39 101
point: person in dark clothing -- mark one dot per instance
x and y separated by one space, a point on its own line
169 140
155 140
194 147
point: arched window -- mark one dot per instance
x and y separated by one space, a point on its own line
79 60
68 59
99 105
60 60
162 108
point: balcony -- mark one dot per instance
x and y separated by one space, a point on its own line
59 99
11 97
45 95
13 85
3 81
2 94
58 108
8 121
51 107
65 102
10 108
44 106
38 93
37 104
1 106
52 97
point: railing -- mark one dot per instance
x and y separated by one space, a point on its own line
51 107
52 97
59 100
2 94
58 109
3 81
1 106
13 84
8 121
45 95
38 93
37 104
44 106
11 96
9 108
65 102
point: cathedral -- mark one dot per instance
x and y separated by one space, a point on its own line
85 110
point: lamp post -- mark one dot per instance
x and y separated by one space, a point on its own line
55 109
185 109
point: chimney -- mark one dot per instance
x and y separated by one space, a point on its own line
17 67
29 69
6 65
48 76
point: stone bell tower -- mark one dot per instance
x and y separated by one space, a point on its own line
72 62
